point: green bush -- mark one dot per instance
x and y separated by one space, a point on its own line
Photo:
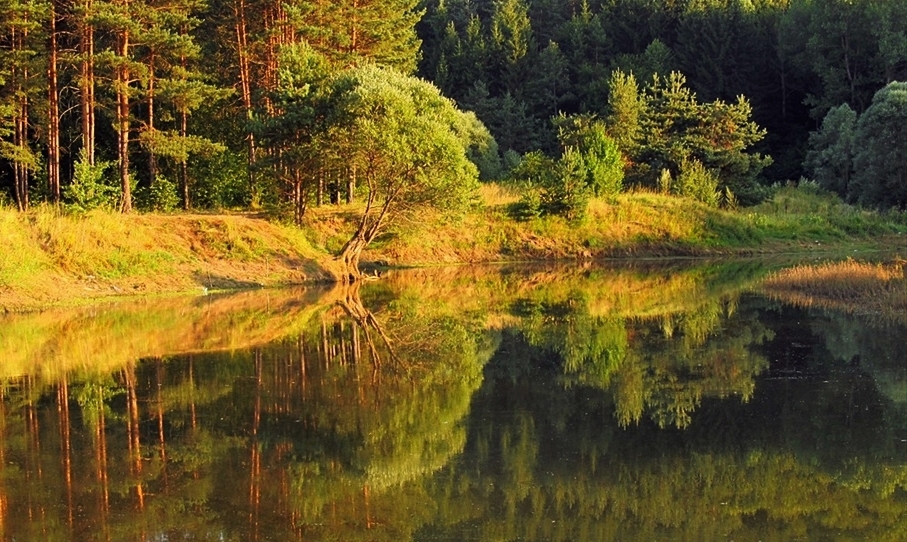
567 192
697 182
552 187
160 197
89 188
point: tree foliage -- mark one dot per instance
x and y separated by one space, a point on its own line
159 85
664 127
402 138
831 150
880 157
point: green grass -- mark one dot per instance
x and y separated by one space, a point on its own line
640 224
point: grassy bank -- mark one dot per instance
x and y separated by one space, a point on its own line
638 224
49 258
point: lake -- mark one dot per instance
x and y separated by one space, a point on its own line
635 401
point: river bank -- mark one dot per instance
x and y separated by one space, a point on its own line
51 258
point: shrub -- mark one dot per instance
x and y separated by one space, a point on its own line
88 189
697 182
161 196
552 187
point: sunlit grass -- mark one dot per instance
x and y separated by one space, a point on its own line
858 287
48 256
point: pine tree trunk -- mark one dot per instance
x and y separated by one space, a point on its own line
122 92
152 158
53 112
20 133
245 80
86 85
184 166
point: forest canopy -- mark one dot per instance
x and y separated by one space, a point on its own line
173 103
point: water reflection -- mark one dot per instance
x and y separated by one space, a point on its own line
518 404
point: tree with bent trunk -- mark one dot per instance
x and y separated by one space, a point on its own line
408 145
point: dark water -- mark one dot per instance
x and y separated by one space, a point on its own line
639 403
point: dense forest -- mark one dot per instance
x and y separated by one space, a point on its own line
160 104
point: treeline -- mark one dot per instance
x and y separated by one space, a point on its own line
104 100
167 103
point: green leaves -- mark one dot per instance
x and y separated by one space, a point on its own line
590 164
664 126
831 148
880 157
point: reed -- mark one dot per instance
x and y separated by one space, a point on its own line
854 286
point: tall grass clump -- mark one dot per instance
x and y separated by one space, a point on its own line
858 287
22 256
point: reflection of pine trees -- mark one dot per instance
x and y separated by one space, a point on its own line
316 429
570 432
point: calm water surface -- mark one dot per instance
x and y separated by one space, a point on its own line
633 403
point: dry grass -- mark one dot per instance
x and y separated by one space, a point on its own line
49 258
857 287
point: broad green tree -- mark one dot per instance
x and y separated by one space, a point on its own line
831 150
402 138
880 156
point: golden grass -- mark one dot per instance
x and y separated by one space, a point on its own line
47 257
857 287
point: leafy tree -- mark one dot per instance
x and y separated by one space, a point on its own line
401 136
831 150
880 157
599 158
481 147
589 164
833 40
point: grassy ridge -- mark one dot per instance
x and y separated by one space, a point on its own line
48 258
641 224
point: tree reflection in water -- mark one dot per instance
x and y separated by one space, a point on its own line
529 405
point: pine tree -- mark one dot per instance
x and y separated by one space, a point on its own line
173 87
22 72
